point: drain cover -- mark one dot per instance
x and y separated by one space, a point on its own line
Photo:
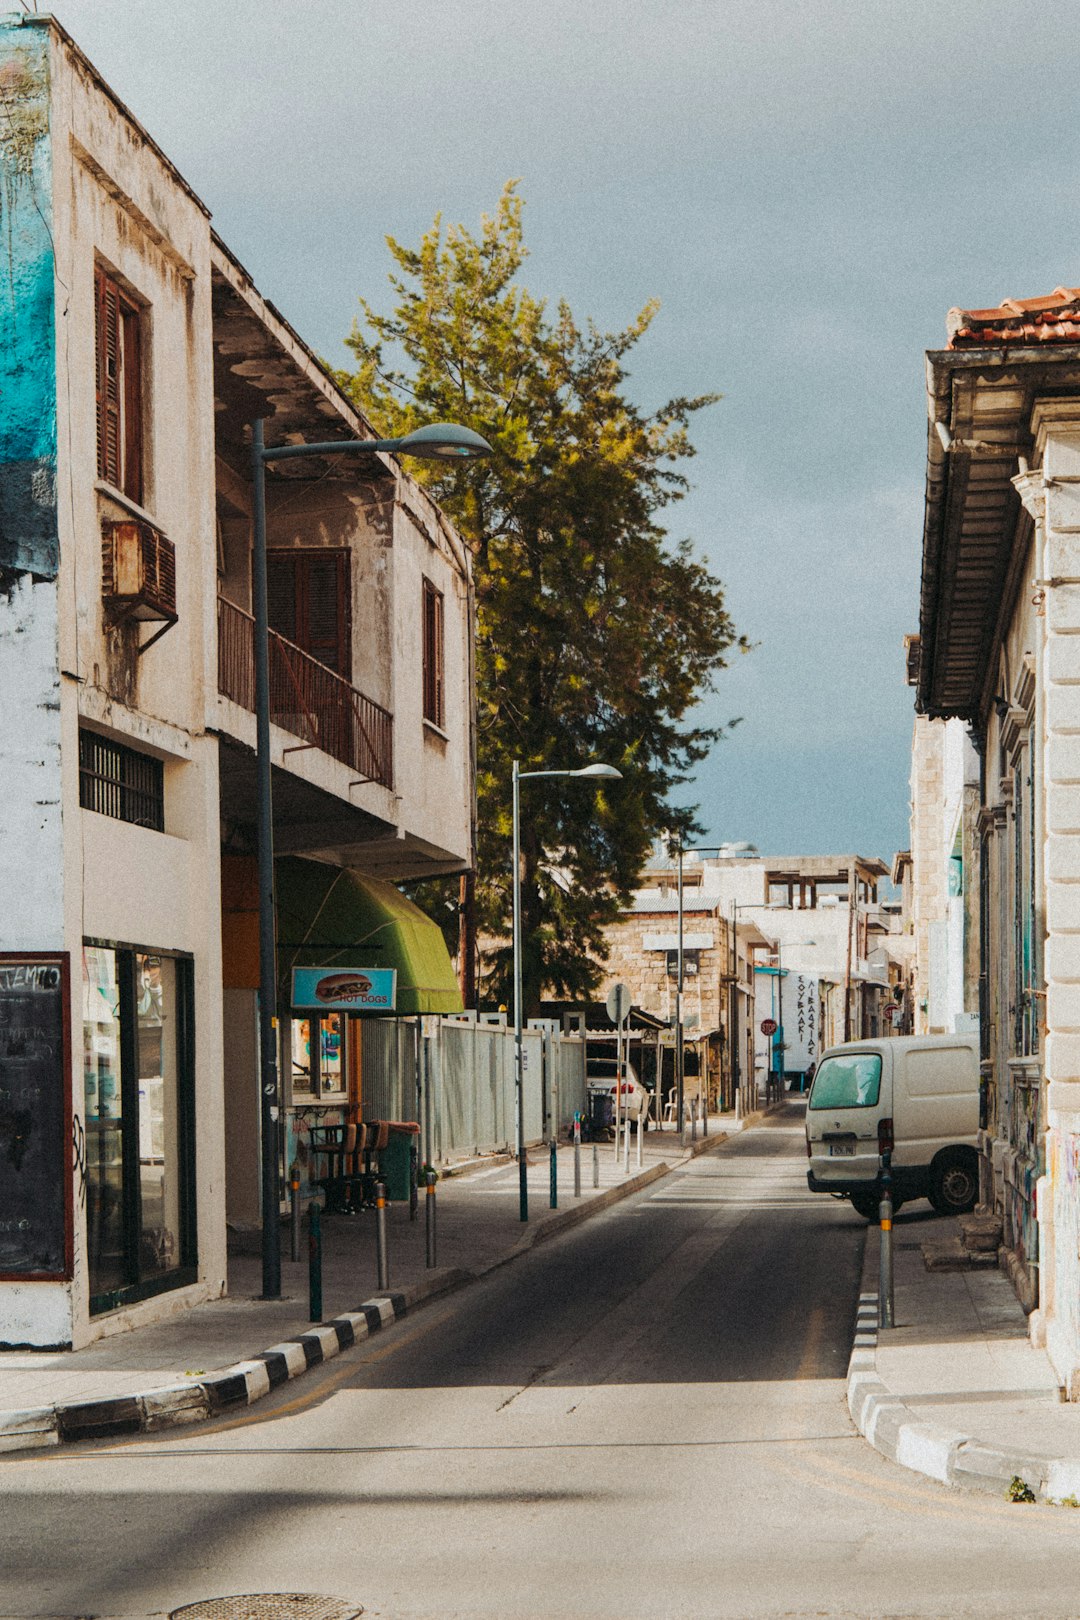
270 1606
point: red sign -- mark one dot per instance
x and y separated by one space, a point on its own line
768 1026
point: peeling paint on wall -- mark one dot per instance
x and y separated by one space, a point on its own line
29 542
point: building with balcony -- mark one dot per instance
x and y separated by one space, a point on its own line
136 353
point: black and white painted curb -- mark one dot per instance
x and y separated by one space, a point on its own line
247 1381
946 1455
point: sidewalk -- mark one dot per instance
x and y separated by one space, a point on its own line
233 1351
955 1389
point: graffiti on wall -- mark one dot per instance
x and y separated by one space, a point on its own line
29 543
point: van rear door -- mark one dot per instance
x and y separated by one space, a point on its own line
852 1090
937 1100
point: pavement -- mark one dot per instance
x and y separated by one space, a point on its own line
955 1389
233 1351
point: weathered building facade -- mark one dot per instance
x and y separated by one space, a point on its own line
1000 650
135 353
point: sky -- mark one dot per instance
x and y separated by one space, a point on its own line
807 188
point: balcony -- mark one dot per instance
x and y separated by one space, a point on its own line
306 698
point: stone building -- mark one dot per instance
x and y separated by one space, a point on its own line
135 354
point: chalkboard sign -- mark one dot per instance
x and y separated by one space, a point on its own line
35 1109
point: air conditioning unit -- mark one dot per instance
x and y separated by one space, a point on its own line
139 570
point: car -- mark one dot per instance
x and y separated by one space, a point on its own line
601 1076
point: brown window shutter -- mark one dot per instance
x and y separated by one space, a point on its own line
131 382
433 655
309 604
281 593
108 378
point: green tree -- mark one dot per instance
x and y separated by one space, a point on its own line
595 634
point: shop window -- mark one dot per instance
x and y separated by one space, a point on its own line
317 1069
118 330
691 964
121 782
308 601
434 703
137 1098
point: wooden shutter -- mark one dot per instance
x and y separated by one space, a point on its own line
308 595
433 655
109 369
281 593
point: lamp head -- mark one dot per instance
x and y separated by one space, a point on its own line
443 441
607 771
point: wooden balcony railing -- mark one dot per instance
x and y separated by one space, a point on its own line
306 697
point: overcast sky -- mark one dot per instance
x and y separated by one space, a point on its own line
807 188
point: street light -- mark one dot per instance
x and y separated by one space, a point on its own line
603 772
440 441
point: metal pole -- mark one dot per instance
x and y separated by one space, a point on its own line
553 1174
626 1147
429 1215
294 1207
315 1261
780 1019
414 1182
595 1165
382 1259
680 1049
577 1155
268 1024
885 1275
641 1132
519 1055
693 1118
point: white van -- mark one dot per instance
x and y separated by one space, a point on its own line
928 1086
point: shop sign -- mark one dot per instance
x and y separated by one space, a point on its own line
348 989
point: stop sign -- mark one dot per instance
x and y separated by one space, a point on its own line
768 1026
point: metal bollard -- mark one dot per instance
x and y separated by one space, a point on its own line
577 1155
553 1174
380 1235
414 1178
429 1213
705 1115
693 1120
314 1262
595 1165
626 1149
640 1137
885 1274
294 1207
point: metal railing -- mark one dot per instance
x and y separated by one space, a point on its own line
306 697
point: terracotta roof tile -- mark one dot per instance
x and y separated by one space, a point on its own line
1054 318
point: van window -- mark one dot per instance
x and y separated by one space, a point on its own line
847 1082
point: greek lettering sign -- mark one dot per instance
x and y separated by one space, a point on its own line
348 989
35 1122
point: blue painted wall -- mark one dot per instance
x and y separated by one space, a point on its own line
29 542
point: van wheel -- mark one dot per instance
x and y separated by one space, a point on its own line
954 1181
868 1205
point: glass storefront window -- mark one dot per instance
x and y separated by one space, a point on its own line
137 1087
317 1056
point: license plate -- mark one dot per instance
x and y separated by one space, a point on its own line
841 1150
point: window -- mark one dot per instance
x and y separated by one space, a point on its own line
120 782
434 705
691 964
847 1082
308 598
138 1110
118 330
317 1056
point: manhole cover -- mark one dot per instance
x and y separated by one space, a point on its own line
270 1606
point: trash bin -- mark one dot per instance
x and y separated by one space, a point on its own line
395 1160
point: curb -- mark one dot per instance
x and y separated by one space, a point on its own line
172 1405
950 1457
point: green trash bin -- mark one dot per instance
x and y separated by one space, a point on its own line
395 1160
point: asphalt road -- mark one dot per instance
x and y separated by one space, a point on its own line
643 1418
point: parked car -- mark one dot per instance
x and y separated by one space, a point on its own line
601 1078
927 1087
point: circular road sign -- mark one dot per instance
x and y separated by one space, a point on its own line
618 1003
768 1026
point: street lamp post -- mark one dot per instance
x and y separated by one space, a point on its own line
606 772
440 441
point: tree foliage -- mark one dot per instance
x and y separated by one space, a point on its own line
595 634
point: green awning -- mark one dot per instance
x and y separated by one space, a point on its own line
330 915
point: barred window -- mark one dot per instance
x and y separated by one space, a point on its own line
121 782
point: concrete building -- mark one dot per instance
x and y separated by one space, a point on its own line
1000 650
135 353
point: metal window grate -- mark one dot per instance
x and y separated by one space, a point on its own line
120 782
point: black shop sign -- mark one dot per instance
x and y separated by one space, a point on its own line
35 1117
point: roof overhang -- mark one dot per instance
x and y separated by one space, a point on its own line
976 531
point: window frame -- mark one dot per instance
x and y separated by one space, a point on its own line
112 796
433 633
120 338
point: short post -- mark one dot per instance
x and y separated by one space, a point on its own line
429 1213
294 1207
641 1134
315 1261
705 1111
382 1259
414 1177
885 1211
577 1155
626 1145
553 1174
595 1165
693 1119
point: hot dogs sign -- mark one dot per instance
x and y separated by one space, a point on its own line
344 989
